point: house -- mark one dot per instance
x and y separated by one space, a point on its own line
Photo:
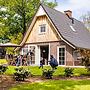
55 33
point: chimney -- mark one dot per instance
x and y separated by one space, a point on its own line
68 13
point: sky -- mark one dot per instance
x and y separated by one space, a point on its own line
78 7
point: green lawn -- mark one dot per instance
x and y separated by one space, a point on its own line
51 84
55 85
36 71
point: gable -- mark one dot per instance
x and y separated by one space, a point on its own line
45 11
36 36
40 11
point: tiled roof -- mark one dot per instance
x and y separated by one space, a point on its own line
76 33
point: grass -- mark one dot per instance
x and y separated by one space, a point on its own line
51 84
36 71
55 85
33 69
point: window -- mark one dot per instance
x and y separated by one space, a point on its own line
72 28
25 51
76 55
31 54
43 28
62 56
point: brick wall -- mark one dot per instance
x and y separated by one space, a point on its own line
69 57
69 52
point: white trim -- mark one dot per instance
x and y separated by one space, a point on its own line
40 28
39 53
68 43
24 48
58 54
49 54
35 53
22 51
32 45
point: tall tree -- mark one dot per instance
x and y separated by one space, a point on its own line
17 15
86 19
85 57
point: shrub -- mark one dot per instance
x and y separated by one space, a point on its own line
47 73
68 72
21 74
86 62
3 69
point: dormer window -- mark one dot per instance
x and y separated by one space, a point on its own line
72 28
43 28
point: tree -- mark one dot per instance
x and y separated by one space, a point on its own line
15 17
86 20
84 52
85 57
50 4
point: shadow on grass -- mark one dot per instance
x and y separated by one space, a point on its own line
55 85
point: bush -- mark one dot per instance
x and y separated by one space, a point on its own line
3 69
47 73
21 74
68 72
86 62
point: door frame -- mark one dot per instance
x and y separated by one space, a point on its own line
58 54
39 53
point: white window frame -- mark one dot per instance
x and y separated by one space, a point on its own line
58 54
23 50
36 57
40 28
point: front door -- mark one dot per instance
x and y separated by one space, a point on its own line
44 53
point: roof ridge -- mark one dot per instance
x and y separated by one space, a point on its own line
57 11
60 20
51 8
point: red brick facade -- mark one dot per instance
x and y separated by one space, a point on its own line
69 52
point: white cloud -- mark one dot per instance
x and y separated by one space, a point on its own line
77 4
79 7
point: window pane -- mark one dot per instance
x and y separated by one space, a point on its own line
63 49
63 62
42 28
60 49
61 56
25 51
59 62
